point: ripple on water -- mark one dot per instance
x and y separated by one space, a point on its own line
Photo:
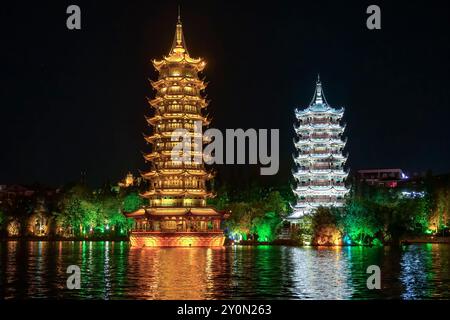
113 270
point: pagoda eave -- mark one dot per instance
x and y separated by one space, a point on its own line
161 212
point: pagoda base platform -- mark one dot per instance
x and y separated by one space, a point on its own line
176 239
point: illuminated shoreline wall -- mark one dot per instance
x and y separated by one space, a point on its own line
177 239
319 174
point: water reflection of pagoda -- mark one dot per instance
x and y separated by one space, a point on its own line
176 214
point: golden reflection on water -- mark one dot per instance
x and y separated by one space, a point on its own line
174 273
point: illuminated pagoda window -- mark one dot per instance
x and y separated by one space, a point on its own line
178 189
320 159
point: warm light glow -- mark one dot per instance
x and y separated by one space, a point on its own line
142 239
13 228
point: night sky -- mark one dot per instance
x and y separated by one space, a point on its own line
75 101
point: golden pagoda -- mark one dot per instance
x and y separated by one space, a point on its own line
177 214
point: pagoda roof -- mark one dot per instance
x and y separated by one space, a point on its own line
328 191
313 156
176 211
182 80
179 52
137 213
198 63
318 188
312 141
310 110
319 104
151 156
315 126
163 211
171 172
180 115
177 192
329 172
183 98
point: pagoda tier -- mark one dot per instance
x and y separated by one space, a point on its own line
178 187
319 173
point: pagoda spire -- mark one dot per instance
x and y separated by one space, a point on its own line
179 44
319 96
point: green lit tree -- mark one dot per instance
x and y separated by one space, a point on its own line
239 224
359 222
132 202
265 227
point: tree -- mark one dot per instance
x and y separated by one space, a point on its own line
324 227
439 218
305 231
132 202
222 200
240 222
359 222
2 222
266 226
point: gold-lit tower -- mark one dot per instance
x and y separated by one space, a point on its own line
177 214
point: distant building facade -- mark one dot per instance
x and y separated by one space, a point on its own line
390 178
18 200
130 181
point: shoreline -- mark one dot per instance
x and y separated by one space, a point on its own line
291 243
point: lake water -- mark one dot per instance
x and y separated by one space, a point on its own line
113 270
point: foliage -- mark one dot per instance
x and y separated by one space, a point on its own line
256 212
92 213
2 218
239 223
305 231
222 199
371 216
132 202
359 222
440 213
266 226
324 226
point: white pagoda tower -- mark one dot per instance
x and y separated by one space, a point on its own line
319 173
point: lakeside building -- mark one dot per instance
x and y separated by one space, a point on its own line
381 177
129 181
26 211
320 160
177 213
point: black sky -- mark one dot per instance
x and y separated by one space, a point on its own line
74 101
